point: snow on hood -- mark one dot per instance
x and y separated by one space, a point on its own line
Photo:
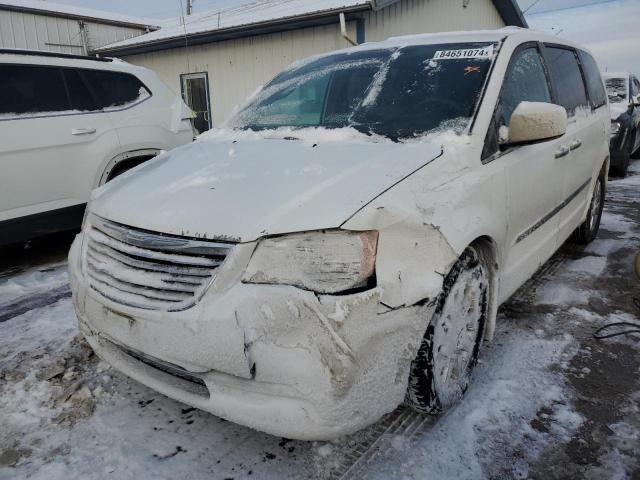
243 189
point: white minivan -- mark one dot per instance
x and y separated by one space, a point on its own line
69 124
343 245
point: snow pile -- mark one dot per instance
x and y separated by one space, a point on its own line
39 377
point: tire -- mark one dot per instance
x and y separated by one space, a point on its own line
588 231
620 170
441 372
623 169
635 155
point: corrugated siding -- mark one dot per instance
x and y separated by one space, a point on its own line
238 67
426 16
55 34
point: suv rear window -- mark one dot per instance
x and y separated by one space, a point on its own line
114 89
32 90
27 90
595 86
567 77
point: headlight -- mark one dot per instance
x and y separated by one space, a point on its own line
324 262
615 128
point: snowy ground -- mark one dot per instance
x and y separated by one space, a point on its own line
548 401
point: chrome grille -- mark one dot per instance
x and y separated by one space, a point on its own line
149 270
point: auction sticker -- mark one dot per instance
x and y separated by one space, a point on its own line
469 53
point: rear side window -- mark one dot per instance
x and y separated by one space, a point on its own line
27 90
114 90
79 94
595 86
525 81
567 78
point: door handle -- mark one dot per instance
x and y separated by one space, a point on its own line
83 131
576 145
563 151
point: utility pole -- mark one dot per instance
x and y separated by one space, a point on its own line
189 7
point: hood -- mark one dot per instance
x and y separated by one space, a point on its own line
240 191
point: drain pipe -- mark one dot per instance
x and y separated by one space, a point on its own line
343 30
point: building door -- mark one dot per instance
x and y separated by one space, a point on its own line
195 92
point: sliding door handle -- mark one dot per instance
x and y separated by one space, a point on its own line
576 144
83 131
563 152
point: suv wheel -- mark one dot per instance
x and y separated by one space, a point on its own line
441 372
588 231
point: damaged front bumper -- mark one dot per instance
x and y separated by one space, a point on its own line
275 358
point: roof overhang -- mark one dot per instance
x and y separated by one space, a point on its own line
511 13
508 10
72 16
261 28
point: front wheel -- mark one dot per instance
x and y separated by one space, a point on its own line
441 372
588 231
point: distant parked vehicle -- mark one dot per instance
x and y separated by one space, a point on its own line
69 124
624 96
343 247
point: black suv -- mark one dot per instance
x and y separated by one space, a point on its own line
624 97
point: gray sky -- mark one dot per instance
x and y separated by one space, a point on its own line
609 29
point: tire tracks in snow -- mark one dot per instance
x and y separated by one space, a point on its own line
26 303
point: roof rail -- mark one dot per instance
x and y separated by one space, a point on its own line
38 53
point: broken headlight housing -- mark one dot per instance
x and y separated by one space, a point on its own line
325 262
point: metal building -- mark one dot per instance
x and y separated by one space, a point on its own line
217 59
40 25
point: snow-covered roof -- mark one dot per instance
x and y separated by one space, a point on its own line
251 13
257 16
72 11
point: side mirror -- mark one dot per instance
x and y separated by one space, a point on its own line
536 122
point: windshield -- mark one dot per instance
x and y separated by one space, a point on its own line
397 93
617 89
